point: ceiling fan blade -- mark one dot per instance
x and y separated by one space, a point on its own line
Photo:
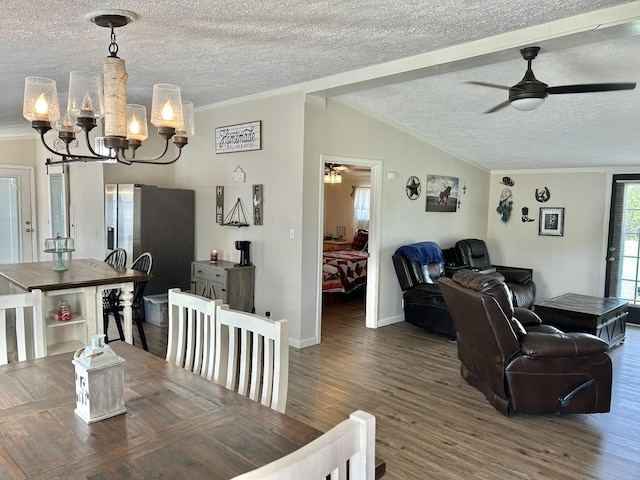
591 87
500 106
492 85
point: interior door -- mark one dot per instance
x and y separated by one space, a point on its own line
16 222
623 249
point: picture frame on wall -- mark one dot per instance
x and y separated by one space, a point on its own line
551 221
442 193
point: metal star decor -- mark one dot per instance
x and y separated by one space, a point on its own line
413 188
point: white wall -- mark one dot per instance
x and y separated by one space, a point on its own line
571 263
18 150
342 131
278 167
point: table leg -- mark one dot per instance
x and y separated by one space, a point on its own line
127 298
93 305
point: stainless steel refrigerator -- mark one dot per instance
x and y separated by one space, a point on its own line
145 218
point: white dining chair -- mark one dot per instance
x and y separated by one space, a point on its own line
29 337
347 451
192 330
252 356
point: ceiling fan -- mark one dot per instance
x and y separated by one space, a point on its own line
529 93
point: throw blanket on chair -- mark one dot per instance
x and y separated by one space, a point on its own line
422 252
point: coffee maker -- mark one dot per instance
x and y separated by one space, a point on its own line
243 246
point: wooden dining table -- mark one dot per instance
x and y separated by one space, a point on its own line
82 283
177 425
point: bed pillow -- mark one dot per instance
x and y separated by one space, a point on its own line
360 240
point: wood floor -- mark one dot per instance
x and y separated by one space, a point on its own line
432 425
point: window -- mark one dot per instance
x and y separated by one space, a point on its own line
361 202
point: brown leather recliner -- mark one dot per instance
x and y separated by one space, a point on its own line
523 368
473 253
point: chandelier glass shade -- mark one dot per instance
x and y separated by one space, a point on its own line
89 101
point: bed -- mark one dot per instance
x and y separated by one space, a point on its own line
344 271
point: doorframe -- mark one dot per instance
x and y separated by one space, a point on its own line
32 200
375 215
614 179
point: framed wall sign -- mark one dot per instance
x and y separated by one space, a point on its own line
239 138
551 222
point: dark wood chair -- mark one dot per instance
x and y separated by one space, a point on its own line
117 258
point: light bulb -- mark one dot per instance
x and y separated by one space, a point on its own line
134 126
167 111
87 107
41 106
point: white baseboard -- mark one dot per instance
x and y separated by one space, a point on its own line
383 322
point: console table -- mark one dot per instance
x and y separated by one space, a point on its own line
227 281
571 312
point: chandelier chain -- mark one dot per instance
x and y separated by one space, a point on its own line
113 46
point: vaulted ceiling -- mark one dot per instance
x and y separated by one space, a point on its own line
405 62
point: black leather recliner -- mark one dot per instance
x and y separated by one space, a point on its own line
474 254
424 304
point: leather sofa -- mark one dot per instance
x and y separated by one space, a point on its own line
518 363
473 253
424 305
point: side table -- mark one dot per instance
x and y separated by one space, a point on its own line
571 312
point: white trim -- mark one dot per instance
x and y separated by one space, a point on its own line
390 320
608 169
32 199
373 262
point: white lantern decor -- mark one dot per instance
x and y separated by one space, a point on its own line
99 381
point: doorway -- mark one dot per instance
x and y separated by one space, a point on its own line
623 249
17 241
374 168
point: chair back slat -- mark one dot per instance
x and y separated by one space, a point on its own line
26 310
347 451
191 336
252 356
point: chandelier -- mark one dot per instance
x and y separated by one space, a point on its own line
125 125
332 175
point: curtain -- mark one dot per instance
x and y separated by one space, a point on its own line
361 204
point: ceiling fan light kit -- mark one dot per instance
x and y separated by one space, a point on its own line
529 93
526 104
125 125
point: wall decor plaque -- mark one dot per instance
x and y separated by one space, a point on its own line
219 204
239 138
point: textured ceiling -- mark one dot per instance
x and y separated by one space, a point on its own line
218 51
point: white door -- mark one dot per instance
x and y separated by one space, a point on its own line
16 222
